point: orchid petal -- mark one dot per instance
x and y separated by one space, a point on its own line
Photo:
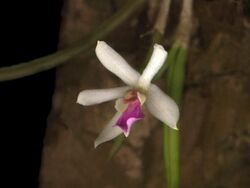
155 63
162 106
112 61
96 96
109 132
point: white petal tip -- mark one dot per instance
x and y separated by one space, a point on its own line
172 125
100 45
175 128
159 46
160 49
81 99
99 42
96 144
85 98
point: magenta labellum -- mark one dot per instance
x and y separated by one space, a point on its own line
131 114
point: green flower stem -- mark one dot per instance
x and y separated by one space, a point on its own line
60 57
175 80
171 146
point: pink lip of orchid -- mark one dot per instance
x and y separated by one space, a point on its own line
131 98
132 112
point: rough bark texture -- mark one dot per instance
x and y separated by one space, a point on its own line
215 119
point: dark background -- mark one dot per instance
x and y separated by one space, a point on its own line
30 30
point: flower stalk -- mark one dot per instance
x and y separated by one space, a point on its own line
175 82
171 146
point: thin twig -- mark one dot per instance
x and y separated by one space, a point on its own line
186 24
161 21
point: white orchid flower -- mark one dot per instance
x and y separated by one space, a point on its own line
131 98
